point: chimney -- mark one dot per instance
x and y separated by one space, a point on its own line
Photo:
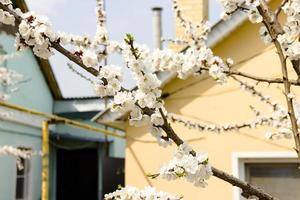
194 10
157 27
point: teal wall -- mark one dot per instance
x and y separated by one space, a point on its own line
19 136
117 147
35 93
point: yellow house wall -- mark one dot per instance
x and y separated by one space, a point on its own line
209 102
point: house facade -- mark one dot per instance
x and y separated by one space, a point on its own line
247 154
83 163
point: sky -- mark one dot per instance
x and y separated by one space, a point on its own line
123 16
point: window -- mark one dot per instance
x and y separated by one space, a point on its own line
279 179
22 178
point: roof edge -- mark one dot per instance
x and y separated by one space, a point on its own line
44 65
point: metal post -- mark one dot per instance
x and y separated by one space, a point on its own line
45 160
157 27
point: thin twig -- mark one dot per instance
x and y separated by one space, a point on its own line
256 78
268 17
279 9
246 187
171 134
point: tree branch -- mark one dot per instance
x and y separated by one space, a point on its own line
94 72
296 67
279 9
55 45
248 190
73 58
256 78
287 89
271 22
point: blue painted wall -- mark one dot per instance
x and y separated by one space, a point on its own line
33 94
19 136
36 95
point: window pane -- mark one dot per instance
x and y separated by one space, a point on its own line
22 177
280 180
21 171
20 188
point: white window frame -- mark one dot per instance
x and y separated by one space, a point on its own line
28 177
239 159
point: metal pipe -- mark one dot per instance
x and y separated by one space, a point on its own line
61 120
157 27
45 160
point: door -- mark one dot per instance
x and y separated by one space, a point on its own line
113 174
77 174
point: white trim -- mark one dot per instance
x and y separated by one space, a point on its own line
239 159
28 174
30 179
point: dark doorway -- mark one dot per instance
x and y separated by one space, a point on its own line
113 174
77 174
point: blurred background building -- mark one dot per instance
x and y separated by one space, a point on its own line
248 154
85 164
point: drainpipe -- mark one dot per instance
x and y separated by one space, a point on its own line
157 27
45 160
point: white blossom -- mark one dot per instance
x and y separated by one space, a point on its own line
291 95
77 40
264 35
6 2
156 119
8 78
12 151
269 135
123 101
36 31
293 51
109 81
112 47
17 153
194 168
137 118
157 133
89 58
255 17
248 6
144 103
133 193
6 18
